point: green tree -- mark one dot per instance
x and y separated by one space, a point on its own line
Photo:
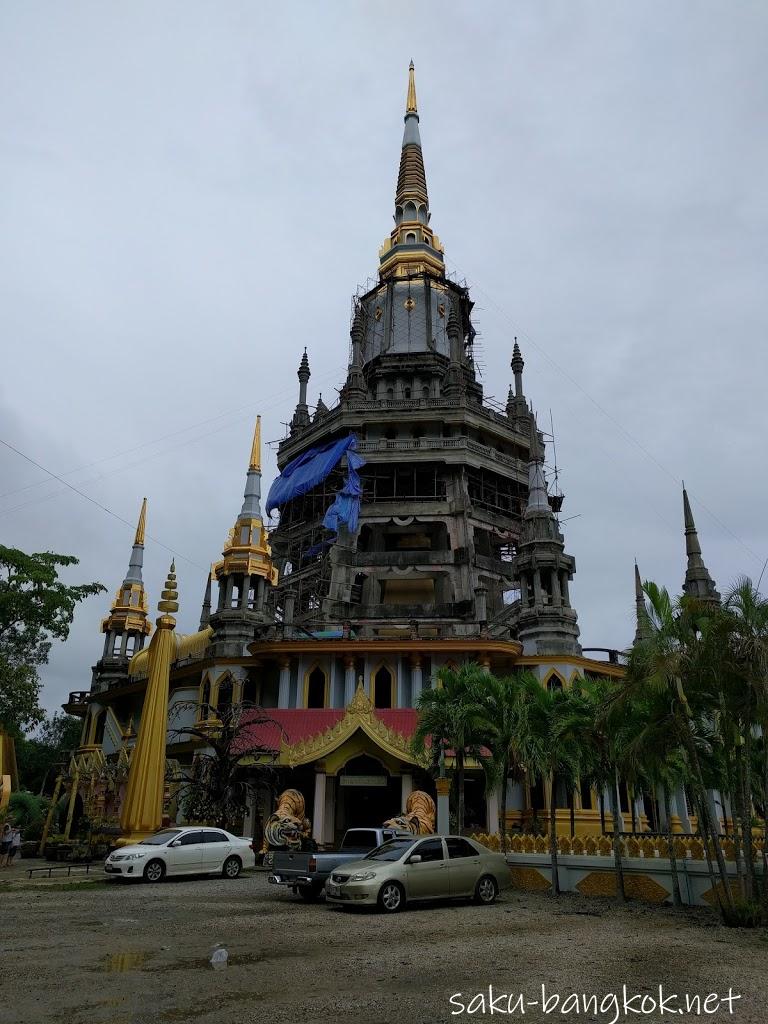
449 719
549 745
747 699
36 607
669 662
38 754
213 789
498 724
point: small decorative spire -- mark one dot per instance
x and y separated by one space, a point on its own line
303 371
642 631
698 583
205 611
321 409
538 502
252 498
255 463
169 602
410 103
141 526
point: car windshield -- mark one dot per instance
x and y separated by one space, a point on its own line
392 850
160 838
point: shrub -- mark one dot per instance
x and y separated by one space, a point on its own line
745 914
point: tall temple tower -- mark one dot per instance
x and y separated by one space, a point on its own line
415 532
446 477
127 626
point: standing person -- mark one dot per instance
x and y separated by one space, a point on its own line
15 845
6 837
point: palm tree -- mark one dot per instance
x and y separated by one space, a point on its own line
668 661
449 720
549 747
748 650
498 701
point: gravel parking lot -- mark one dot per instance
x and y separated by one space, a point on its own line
129 954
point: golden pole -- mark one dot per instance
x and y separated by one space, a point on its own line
142 809
50 814
71 805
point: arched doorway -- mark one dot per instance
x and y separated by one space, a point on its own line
367 794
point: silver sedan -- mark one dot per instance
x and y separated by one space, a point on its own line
419 868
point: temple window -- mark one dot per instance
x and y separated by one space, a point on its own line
316 688
99 726
383 688
205 698
224 698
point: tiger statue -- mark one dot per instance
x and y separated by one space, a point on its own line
418 816
287 828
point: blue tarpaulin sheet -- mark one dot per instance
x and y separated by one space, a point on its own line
310 469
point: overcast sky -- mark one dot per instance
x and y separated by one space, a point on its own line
190 193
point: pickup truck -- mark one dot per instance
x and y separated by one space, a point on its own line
305 873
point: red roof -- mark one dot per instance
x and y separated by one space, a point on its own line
302 723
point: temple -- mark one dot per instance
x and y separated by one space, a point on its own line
412 526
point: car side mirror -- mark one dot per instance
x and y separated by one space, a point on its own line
415 859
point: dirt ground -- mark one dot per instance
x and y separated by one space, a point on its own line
130 954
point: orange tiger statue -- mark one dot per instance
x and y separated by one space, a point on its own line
287 826
418 816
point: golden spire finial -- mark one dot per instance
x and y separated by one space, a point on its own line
256 447
170 595
139 538
410 103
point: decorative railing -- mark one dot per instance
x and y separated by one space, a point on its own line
686 847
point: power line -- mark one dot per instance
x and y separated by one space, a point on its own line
622 430
98 504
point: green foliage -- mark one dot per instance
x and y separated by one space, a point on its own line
38 755
36 607
213 790
26 809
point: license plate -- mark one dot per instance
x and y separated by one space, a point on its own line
333 890
108 867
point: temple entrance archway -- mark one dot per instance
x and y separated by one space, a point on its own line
367 794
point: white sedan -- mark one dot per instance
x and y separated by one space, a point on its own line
183 851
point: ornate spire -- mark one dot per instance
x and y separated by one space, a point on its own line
698 583
412 247
129 611
255 463
642 631
320 410
246 551
205 611
301 415
410 103
538 502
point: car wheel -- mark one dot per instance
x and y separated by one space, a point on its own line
232 867
391 897
486 890
154 871
309 893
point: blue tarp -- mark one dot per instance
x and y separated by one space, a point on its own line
310 469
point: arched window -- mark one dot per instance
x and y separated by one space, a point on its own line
409 211
383 688
554 682
316 688
410 238
224 698
205 698
99 726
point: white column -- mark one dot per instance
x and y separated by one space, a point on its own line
330 810
680 808
349 679
406 787
492 810
416 679
318 814
285 684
